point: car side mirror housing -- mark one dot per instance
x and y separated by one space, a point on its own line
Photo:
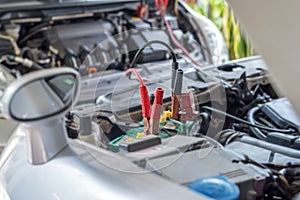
40 100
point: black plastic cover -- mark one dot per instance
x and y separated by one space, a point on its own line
282 113
6 47
281 139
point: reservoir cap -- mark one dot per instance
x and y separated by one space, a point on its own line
216 187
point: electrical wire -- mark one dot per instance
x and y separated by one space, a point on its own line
138 53
281 186
25 38
144 95
214 142
287 165
265 122
137 74
177 43
220 134
248 123
251 119
160 7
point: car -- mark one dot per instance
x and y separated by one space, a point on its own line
138 100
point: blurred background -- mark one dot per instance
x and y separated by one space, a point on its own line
219 12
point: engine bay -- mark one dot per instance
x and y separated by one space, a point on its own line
157 92
98 40
234 122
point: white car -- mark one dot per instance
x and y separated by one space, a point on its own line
189 125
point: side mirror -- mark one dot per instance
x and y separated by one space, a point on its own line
40 100
41 95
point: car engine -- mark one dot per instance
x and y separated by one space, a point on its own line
186 114
96 41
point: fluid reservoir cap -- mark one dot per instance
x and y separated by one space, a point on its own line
216 187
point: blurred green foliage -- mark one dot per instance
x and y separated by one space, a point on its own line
222 15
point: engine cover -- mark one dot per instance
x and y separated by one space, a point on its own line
70 37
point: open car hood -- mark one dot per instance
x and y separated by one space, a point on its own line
273 27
